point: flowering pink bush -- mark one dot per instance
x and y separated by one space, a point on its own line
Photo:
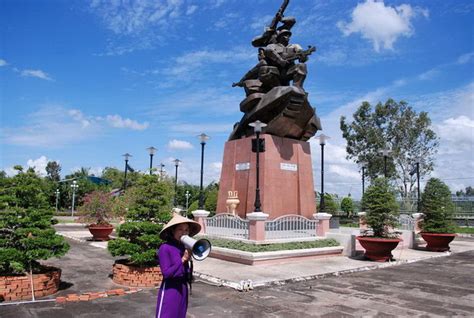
97 208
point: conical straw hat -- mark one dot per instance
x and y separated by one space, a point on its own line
194 227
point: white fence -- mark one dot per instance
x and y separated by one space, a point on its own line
407 222
227 225
290 226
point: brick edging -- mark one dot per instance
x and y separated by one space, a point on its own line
96 295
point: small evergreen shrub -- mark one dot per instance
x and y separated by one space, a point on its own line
437 208
26 231
26 236
382 209
138 238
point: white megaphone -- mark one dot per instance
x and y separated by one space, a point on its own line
200 249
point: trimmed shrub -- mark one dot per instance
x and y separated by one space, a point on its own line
437 208
382 209
151 208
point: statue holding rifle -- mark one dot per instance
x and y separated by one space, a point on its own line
270 97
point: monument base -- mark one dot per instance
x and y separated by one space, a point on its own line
286 177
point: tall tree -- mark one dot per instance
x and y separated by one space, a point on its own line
395 126
53 170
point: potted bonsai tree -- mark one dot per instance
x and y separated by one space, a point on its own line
26 237
97 210
138 238
437 227
382 216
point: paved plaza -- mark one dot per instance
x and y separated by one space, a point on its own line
437 285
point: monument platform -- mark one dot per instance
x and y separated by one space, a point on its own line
286 177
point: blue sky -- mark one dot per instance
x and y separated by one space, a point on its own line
83 82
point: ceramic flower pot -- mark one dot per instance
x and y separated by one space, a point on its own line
100 232
378 249
437 242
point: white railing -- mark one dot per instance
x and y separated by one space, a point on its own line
227 225
407 222
290 226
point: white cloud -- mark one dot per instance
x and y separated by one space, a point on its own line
197 128
179 145
119 122
3 62
465 58
191 9
36 73
428 75
134 17
380 24
39 165
186 65
54 126
457 135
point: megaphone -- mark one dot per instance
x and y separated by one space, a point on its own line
200 249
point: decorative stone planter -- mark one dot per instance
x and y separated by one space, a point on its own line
437 242
19 287
378 249
100 232
136 276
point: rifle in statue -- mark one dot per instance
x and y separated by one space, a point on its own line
270 31
301 55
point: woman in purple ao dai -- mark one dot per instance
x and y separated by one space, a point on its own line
174 259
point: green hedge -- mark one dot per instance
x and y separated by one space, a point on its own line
249 247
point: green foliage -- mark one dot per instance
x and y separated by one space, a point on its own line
469 191
242 246
24 190
467 230
149 209
27 235
382 208
437 208
398 127
330 205
193 207
347 205
210 204
53 170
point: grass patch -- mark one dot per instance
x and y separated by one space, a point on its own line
248 247
350 225
466 230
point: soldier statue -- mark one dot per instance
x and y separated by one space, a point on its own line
269 93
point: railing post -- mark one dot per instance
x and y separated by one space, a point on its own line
417 217
362 220
200 217
323 223
257 226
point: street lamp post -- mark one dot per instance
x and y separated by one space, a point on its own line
418 197
176 164
203 138
187 195
257 127
151 151
74 187
385 153
162 166
126 156
418 203
363 166
322 141
57 199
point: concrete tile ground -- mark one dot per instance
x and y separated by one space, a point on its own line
441 286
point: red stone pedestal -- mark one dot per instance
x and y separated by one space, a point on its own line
286 177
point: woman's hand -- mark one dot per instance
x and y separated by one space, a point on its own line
186 256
